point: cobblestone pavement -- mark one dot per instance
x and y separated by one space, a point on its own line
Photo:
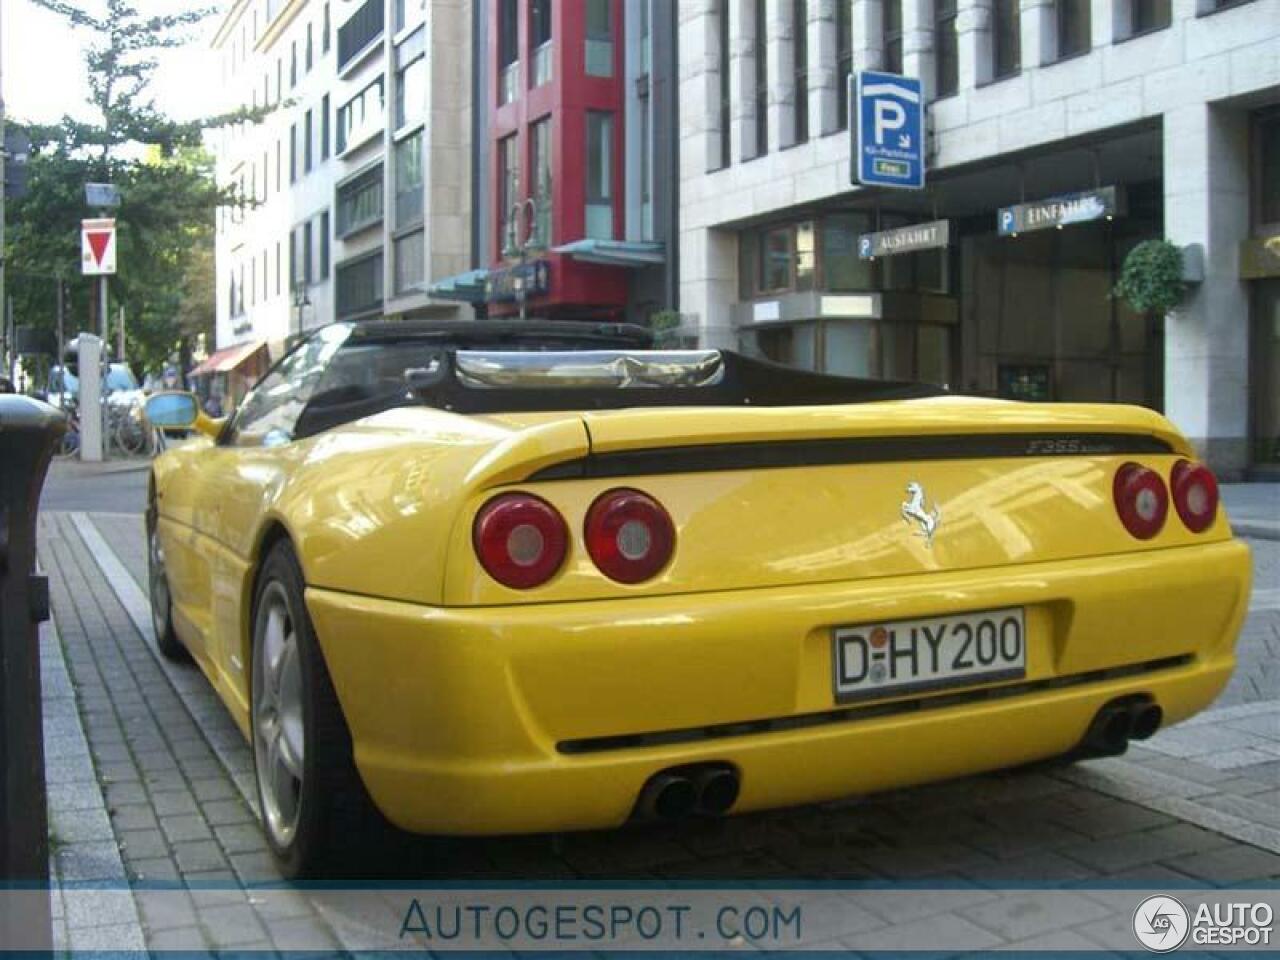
1195 805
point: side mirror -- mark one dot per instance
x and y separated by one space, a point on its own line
173 411
176 410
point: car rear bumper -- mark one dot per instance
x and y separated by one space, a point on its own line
552 716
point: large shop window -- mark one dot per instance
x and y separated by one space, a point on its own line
363 27
599 52
361 117
409 198
411 79
541 146
599 219
875 349
359 287
360 201
539 42
508 191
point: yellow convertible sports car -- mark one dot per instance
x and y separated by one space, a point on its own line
498 577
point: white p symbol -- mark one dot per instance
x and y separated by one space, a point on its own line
890 116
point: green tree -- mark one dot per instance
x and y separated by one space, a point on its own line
168 193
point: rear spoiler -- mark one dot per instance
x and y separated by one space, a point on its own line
472 382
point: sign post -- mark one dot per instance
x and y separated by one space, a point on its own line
888 131
98 259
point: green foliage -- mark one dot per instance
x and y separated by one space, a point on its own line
1151 278
665 325
168 194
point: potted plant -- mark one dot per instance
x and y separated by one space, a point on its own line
1151 279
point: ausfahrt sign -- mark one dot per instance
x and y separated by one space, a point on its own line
918 236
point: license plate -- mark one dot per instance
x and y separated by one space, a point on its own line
909 656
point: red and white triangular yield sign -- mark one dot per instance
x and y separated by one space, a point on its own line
97 247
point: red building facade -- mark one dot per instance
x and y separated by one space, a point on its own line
557 138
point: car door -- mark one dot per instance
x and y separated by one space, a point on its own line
239 480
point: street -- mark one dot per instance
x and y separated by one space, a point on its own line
151 784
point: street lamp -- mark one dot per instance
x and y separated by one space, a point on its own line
516 248
301 301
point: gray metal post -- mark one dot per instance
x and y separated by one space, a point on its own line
28 431
104 317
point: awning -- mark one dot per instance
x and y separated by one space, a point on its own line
615 253
468 287
229 358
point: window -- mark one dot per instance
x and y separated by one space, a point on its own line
306 253
408 183
599 52
599 175
800 59
271 410
359 287
253 281
508 189
354 36
760 53
360 201
1006 39
946 61
308 132
411 79
293 64
293 153
508 50
844 61
279 272
324 30
323 274
311 48
539 42
893 36
361 116
279 79
646 171
410 262
293 259
266 284
1073 27
775 260
324 127
843 270
541 165
406 12
726 84
1150 15
279 168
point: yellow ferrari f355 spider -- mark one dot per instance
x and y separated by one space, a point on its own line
494 578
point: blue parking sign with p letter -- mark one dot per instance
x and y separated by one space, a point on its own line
888 130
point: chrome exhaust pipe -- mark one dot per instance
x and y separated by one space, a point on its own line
666 796
717 789
1145 721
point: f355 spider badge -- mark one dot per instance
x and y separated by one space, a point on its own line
916 510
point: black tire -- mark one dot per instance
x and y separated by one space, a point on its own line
334 812
161 597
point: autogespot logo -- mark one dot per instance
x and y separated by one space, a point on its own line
1161 923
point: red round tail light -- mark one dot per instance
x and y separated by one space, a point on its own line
1195 494
1141 500
629 536
521 541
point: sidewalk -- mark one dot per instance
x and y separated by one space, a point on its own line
1254 509
1196 805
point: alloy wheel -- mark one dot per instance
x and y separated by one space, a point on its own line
158 583
279 740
